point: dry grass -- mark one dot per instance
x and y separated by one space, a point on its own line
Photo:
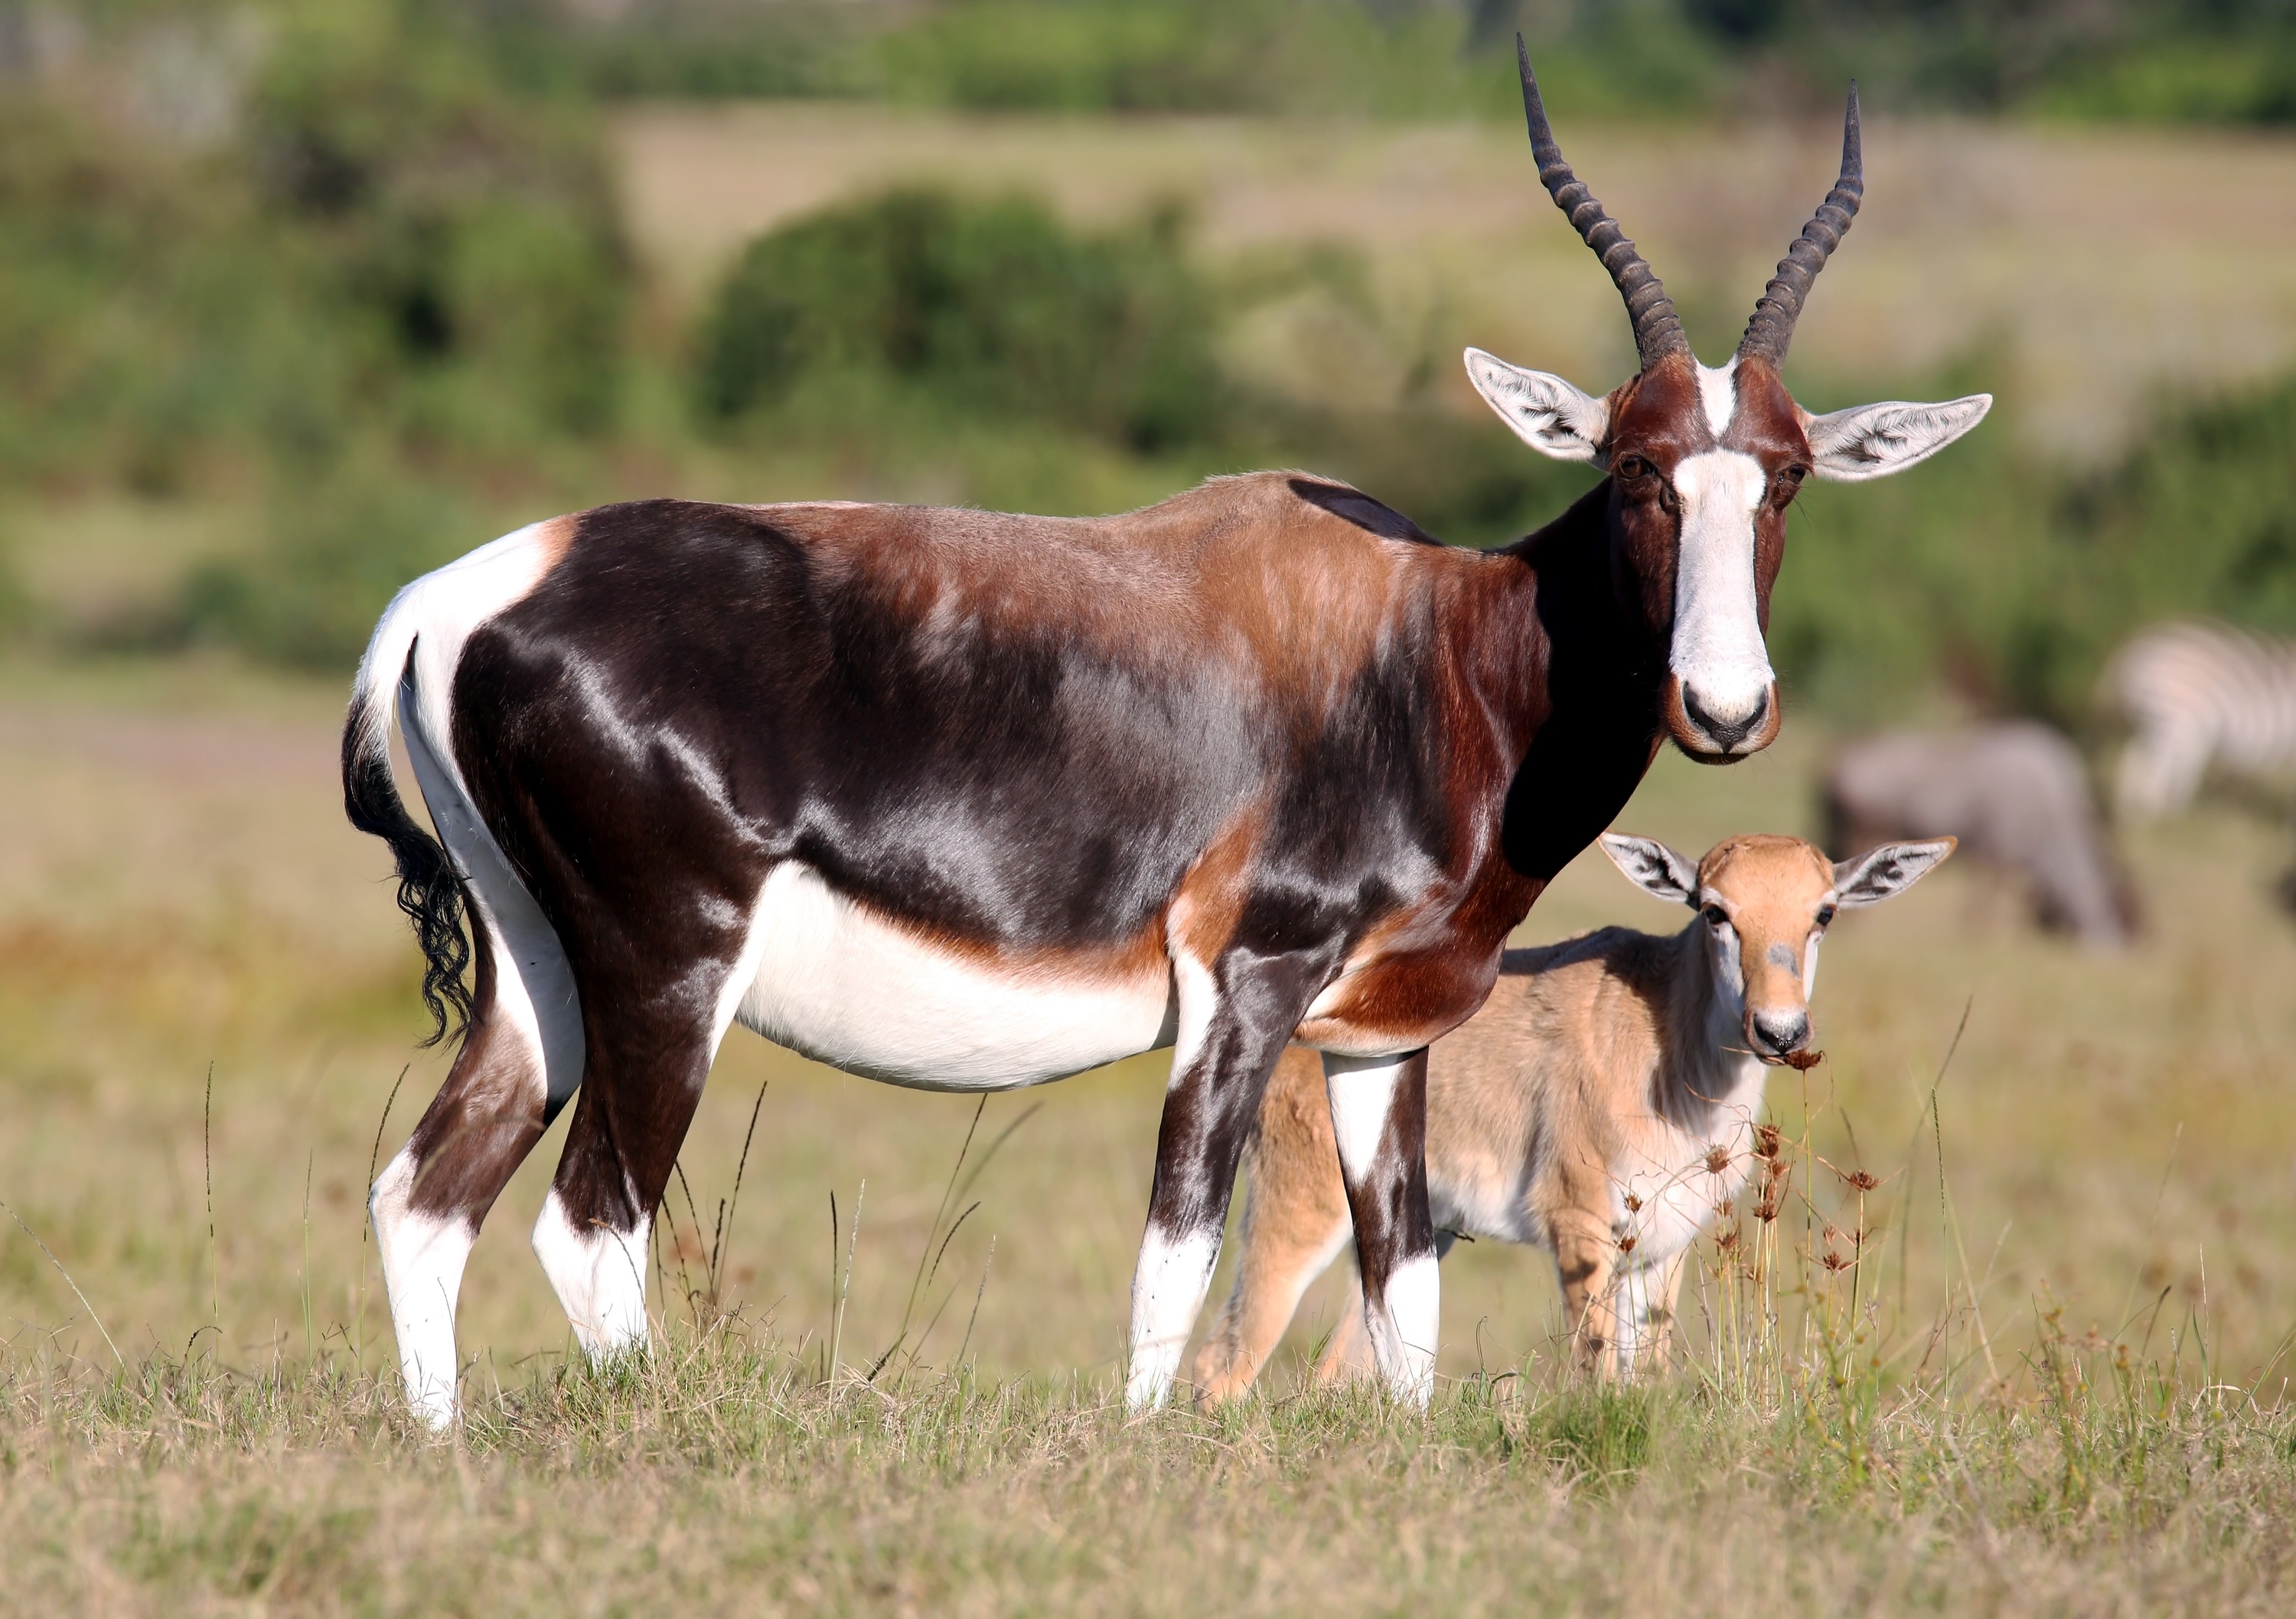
177 888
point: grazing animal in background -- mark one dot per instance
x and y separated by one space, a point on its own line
2015 794
2196 695
961 800
1601 1105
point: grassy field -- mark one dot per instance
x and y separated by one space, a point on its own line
177 892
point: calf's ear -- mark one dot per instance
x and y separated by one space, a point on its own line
1654 868
1545 412
1873 876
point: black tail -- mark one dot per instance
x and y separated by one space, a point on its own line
430 888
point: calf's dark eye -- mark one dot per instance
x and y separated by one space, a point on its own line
1825 916
1633 469
1715 916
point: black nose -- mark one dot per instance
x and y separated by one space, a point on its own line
1727 733
1782 1034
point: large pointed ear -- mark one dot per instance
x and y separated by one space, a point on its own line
1878 874
1545 412
1874 440
1654 868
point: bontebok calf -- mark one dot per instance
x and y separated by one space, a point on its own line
963 801
1601 1105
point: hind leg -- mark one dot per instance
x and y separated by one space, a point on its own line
654 1011
520 1060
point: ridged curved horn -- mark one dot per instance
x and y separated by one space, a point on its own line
1658 330
1771 329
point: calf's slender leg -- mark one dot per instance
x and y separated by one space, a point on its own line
1586 1257
1295 1223
1379 1117
1235 1019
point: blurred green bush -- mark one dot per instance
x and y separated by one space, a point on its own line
388 304
987 306
2207 59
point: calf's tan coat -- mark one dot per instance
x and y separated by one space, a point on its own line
1601 1105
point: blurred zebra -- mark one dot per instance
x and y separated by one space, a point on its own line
2197 695
2017 796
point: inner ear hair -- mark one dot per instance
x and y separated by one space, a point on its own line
1552 416
1884 872
1652 867
1874 441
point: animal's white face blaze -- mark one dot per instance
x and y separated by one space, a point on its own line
1716 651
1718 390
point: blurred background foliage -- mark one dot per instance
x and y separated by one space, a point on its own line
351 279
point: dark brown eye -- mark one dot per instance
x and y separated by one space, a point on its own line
1633 469
1715 916
1790 480
1825 916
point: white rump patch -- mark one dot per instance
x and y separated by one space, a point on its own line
598 1276
828 979
1168 1294
1718 653
535 999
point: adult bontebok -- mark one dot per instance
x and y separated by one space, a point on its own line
1601 1105
961 800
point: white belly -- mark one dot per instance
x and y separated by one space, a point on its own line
828 979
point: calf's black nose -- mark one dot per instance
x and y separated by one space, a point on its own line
1776 1034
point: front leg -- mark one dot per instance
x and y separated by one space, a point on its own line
1586 1257
1234 1020
1379 1113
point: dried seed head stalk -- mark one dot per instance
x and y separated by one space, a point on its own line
1802 1062
1718 1159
